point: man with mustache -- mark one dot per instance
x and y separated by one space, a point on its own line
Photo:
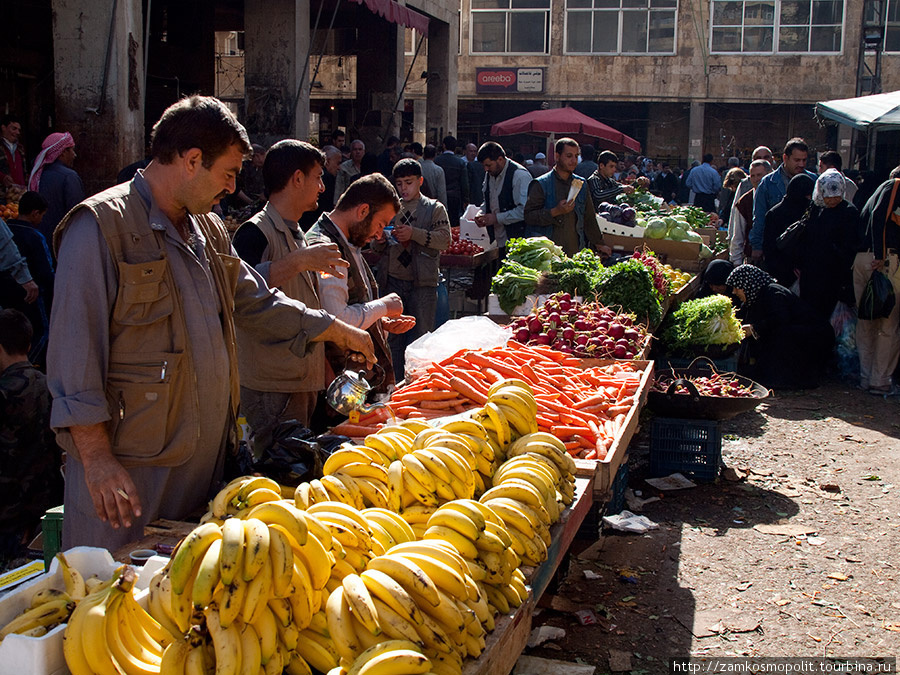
359 217
142 359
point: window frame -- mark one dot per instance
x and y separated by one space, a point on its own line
776 27
548 28
590 11
891 24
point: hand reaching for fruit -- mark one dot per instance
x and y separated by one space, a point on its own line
399 324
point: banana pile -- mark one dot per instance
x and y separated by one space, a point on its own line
109 632
418 591
50 607
395 561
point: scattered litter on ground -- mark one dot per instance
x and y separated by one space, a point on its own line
591 575
586 617
675 481
619 661
787 529
543 634
629 522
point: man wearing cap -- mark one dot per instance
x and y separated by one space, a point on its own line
539 167
55 179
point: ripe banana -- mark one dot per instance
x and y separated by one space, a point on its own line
73 580
409 575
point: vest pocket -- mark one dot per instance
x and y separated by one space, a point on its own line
138 393
144 294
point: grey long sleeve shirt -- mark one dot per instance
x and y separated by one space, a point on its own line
86 286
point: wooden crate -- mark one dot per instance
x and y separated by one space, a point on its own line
604 471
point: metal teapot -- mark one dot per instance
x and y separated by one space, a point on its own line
347 392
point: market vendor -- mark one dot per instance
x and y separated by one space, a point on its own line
142 364
570 223
602 183
787 343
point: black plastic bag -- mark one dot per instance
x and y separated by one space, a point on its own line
877 300
293 457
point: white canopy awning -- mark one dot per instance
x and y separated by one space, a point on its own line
878 111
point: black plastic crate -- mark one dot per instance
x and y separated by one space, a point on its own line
689 447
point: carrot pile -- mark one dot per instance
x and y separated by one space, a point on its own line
585 408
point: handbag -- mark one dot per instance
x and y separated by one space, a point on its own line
877 299
790 238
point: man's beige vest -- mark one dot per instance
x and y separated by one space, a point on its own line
151 385
263 367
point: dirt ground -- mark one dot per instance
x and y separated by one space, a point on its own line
796 557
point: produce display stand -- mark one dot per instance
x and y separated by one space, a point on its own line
161 535
482 266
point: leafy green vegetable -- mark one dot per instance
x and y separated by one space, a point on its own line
580 274
702 322
629 284
513 283
534 252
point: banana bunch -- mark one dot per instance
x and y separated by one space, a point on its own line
391 657
353 474
388 529
419 592
349 527
510 412
548 449
109 632
51 606
240 495
482 539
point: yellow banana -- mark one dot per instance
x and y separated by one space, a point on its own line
373 470
385 588
409 575
283 513
281 556
394 625
395 525
232 601
457 520
465 546
266 627
519 492
337 612
496 599
417 514
412 465
338 491
421 493
297 665
361 604
445 577
465 426
189 552
302 496
302 597
207 576
317 561
259 590
317 528
347 455
232 548
256 548
441 550
499 422
73 580
226 643
46 614
395 485
318 652
407 661
456 463
374 492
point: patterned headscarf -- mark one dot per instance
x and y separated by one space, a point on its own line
53 146
829 184
750 279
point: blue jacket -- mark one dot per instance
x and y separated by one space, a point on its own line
769 192
548 184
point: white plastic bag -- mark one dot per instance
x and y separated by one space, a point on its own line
469 332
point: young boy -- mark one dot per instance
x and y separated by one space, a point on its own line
410 268
30 460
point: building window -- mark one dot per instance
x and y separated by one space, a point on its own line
777 26
620 26
892 27
511 26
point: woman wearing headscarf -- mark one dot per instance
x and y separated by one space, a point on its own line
715 277
825 250
786 342
780 217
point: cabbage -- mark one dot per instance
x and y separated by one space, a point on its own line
656 229
676 234
698 323
705 252
692 236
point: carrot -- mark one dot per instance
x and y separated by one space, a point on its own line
426 395
616 410
561 430
439 405
353 430
572 445
596 399
591 454
467 389
470 378
442 370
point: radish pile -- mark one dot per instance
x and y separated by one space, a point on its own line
461 246
582 329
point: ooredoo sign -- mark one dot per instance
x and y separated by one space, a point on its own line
509 80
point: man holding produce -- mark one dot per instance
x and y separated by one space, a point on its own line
560 207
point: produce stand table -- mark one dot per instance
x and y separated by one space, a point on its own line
161 535
481 264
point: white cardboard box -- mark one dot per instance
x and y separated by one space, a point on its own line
20 655
469 230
